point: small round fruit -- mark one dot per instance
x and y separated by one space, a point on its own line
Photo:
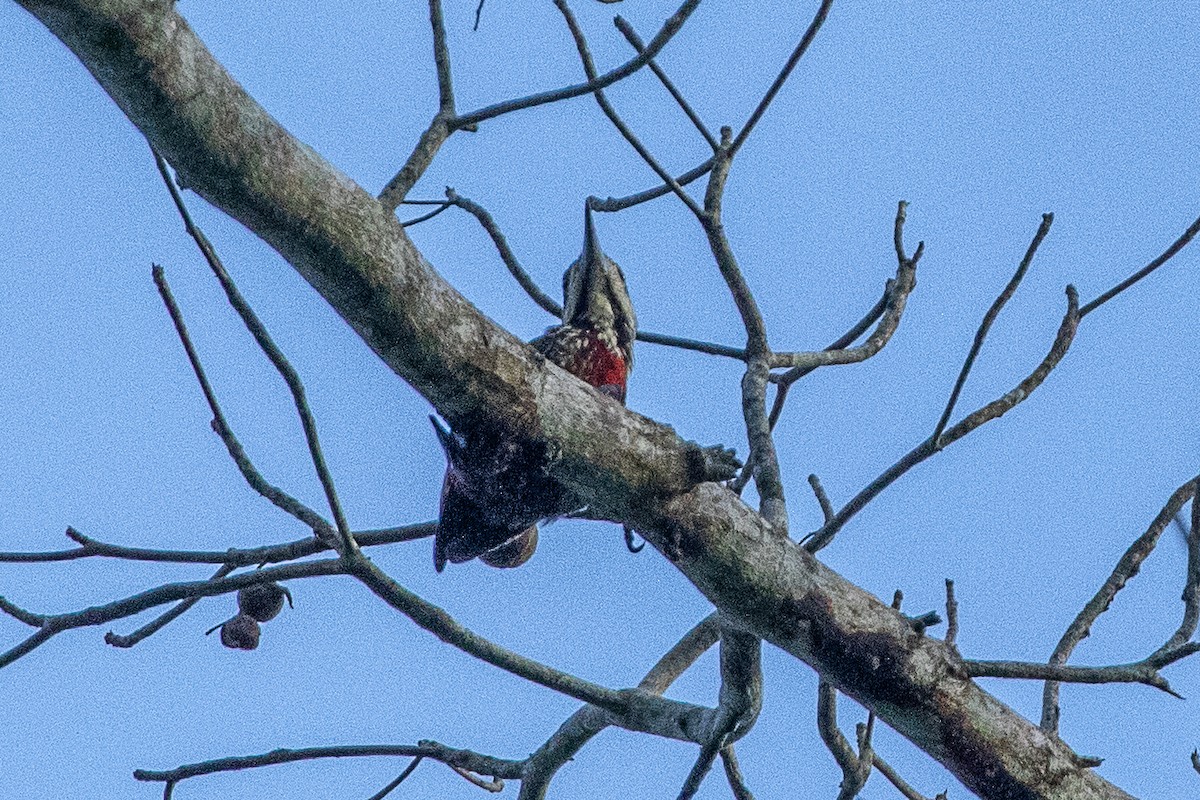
263 601
240 633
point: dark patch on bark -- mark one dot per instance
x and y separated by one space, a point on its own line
992 781
876 665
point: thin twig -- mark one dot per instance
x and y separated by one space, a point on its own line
620 203
585 723
777 84
636 41
662 715
1128 566
612 204
445 122
22 615
506 254
399 779
236 557
441 58
681 343
902 286
162 620
822 498
1166 256
669 28
589 69
848 338
440 127
951 616
901 785
1144 672
990 317
269 348
733 774
427 216
466 759
993 410
277 496
634 709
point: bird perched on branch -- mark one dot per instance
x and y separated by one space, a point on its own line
496 490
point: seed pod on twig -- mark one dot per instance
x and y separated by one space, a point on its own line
240 633
263 601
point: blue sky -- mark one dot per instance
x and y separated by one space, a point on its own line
983 116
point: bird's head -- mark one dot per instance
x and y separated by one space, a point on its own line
595 296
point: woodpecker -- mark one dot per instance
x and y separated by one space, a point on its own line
496 490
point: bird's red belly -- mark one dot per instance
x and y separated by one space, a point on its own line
601 366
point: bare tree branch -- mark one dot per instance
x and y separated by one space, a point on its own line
464 759
767 478
236 557
1166 256
669 28
445 122
739 706
162 620
589 69
440 127
822 498
1127 567
442 206
1145 672
280 498
951 615
784 382
268 346
633 709
636 41
619 204
50 625
901 785
990 317
612 204
572 735
733 774
905 281
506 254
794 59
855 770
399 779
1191 585
993 410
